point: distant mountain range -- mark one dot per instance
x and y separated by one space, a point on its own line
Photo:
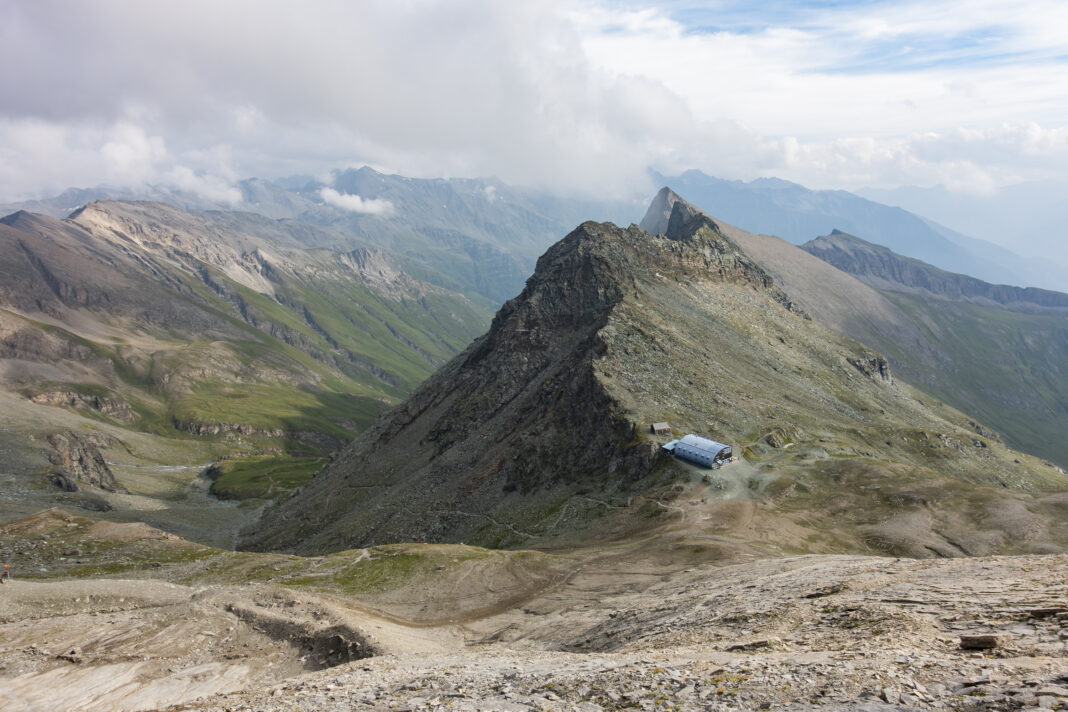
796 214
479 237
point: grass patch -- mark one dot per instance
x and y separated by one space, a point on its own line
262 476
278 407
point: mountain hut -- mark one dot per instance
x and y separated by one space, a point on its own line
702 451
660 429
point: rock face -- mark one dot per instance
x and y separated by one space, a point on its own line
78 459
874 366
658 215
111 407
538 431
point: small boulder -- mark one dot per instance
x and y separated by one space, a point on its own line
981 641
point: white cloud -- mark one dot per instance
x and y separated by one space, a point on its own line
207 186
129 155
566 94
356 204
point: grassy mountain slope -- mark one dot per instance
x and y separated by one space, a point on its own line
147 317
995 351
539 431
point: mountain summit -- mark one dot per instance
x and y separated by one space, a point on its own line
540 430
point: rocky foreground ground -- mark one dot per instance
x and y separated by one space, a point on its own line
828 632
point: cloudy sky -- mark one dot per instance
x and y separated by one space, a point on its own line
572 95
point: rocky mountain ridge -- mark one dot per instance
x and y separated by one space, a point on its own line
538 432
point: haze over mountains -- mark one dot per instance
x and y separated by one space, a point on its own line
1029 217
482 236
476 236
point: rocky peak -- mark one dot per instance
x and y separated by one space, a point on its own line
671 216
658 215
686 222
577 279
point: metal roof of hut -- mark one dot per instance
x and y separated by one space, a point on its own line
702 450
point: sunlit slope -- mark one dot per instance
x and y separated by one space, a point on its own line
146 315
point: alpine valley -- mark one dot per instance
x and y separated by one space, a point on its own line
287 459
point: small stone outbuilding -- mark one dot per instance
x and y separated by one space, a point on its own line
660 428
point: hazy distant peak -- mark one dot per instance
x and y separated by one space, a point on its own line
847 241
32 222
658 215
673 217
15 217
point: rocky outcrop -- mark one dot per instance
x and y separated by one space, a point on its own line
874 366
77 459
700 244
658 215
221 428
111 407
